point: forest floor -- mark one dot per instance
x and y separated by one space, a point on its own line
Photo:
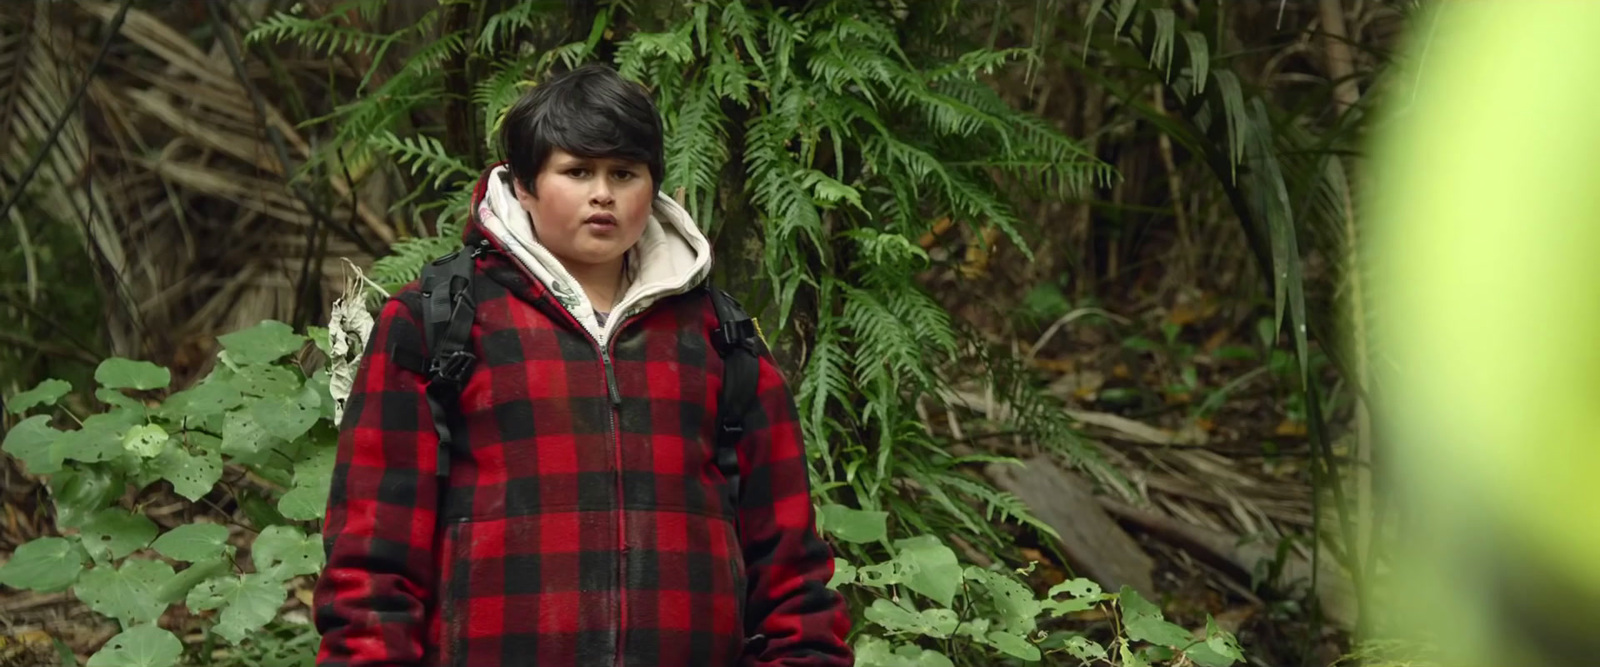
1204 495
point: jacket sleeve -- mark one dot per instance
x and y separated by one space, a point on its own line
790 612
371 602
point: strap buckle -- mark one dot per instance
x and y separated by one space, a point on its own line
734 334
453 367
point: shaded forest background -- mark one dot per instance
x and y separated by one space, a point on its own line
1157 313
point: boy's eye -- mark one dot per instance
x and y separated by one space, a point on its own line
577 172
622 174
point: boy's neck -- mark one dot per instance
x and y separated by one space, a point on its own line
602 283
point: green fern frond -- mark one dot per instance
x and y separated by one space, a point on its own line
425 154
317 34
369 10
961 512
982 205
784 36
633 55
404 262
497 92
1199 59
437 52
950 115
869 30
728 76
522 15
743 26
569 55
998 505
926 317
890 352
1234 112
973 63
826 383
1161 42
696 148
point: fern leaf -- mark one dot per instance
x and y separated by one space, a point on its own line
316 34
404 262
497 92
1124 12
1161 42
998 506
437 52
424 154
1234 112
1199 59
696 147
634 54
740 24
503 25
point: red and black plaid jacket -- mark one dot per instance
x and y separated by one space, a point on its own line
574 530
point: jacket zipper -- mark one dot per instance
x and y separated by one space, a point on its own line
622 514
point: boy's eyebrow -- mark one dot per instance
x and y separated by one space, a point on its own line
568 160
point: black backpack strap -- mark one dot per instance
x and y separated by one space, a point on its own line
448 309
737 343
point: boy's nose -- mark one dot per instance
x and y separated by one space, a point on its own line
601 196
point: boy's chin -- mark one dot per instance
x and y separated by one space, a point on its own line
592 256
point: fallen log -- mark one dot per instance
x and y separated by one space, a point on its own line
1095 545
1226 552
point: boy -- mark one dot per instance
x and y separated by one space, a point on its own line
583 520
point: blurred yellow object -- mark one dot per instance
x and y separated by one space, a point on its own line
28 648
1484 232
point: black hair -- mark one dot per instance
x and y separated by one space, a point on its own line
590 112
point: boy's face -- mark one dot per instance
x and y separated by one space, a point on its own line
589 211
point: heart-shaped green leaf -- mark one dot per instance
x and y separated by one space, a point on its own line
936 574
202 400
139 646
146 441
192 542
283 552
250 602
45 393
128 593
31 442
118 373
263 343
192 475
853 525
118 530
47 564
265 381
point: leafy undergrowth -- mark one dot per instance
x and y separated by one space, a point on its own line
257 436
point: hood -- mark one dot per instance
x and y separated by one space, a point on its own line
672 257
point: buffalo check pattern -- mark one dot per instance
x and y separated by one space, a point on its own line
572 530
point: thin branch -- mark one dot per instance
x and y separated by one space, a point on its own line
66 114
59 328
224 33
22 341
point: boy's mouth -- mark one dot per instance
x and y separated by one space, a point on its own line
601 220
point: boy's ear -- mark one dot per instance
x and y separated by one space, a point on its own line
522 193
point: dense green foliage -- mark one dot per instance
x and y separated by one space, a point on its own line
830 137
262 417
257 432
817 143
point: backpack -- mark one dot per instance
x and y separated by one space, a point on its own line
448 308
